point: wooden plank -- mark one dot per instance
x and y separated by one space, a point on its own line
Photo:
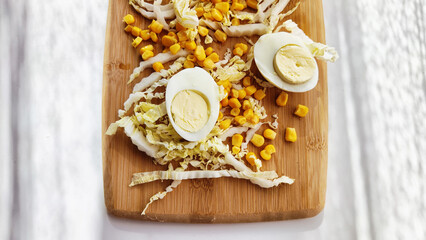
217 200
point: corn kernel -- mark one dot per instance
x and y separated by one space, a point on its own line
224 102
182 36
147 55
301 110
216 1
290 134
246 105
172 34
188 64
190 45
240 120
237 140
199 53
147 48
265 155
156 26
217 15
166 50
153 36
220 105
246 81
225 124
250 157
191 58
136 31
168 41
227 84
241 94
259 94
238 51
157 66
208 64
209 51
145 34
214 57
203 31
257 140
282 99
250 90
200 63
136 42
243 46
254 120
200 11
129 19
269 134
234 103
220 36
270 149
237 6
128 28
235 112
248 113
235 22
220 115
208 15
252 4
235 149
234 93
223 7
175 48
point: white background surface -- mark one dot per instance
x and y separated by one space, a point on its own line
51 55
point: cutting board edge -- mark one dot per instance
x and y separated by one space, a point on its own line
106 168
196 218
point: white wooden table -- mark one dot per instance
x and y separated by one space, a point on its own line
51 55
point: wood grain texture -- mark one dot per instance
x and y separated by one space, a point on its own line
217 200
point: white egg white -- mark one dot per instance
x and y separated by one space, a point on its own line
200 81
264 52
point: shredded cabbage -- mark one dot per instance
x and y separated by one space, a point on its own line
233 71
161 57
231 131
147 10
274 124
208 39
146 177
275 14
186 16
246 30
260 81
244 16
318 50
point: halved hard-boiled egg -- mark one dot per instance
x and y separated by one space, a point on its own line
192 102
285 61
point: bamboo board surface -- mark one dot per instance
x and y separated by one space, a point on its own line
225 199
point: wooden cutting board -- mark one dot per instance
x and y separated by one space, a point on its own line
226 199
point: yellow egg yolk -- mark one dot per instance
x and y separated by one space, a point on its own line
294 64
190 110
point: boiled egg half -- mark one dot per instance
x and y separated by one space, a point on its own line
285 61
192 102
